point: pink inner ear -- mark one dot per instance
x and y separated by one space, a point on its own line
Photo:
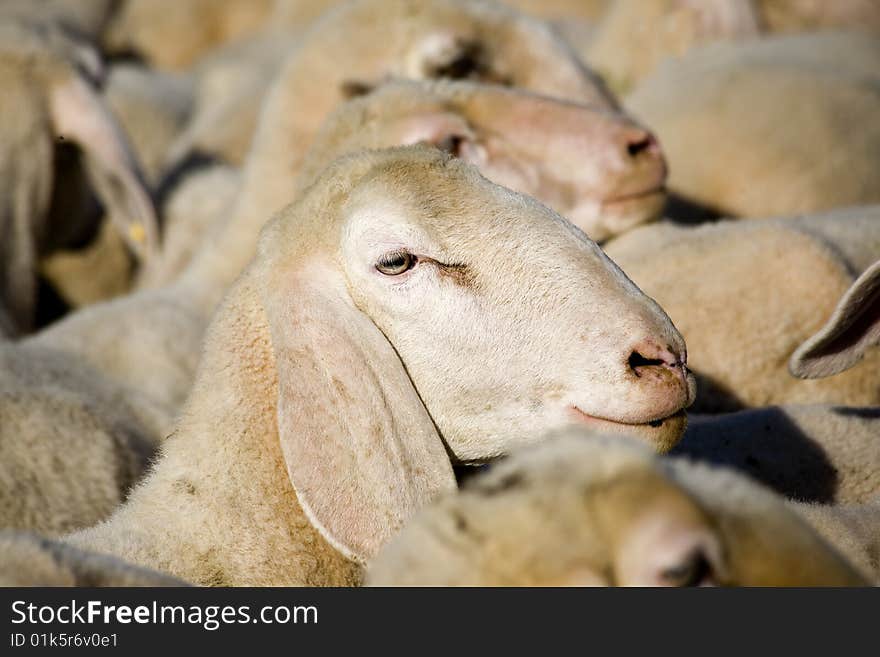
433 128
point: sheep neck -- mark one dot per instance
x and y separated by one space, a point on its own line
219 508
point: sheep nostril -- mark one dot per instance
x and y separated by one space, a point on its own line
638 362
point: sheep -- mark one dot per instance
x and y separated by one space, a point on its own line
812 452
779 114
853 530
72 442
30 560
636 37
195 207
586 510
745 295
322 360
230 85
171 35
854 232
47 98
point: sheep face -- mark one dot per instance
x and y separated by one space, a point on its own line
476 293
507 319
597 168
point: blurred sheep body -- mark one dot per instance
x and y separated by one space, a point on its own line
298 385
779 116
813 452
636 37
587 510
31 560
72 443
173 34
48 100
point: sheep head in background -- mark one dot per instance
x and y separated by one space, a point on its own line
403 314
458 39
852 329
595 167
48 97
583 510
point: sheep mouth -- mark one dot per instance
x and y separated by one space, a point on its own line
662 433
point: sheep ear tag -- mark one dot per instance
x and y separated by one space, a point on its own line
360 448
79 115
852 329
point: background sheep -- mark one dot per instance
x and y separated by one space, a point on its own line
72 442
152 107
635 37
47 99
230 85
173 34
459 247
745 295
30 560
578 159
87 18
814 452
583 510
765 128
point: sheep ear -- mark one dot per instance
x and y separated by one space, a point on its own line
361 450
852 329
79 115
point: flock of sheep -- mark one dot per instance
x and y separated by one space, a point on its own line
275 275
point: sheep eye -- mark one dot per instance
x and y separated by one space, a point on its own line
451 144
395 264
459 68
693 571
467 63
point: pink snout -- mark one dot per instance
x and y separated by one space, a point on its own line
662 377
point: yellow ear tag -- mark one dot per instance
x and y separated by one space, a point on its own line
137 233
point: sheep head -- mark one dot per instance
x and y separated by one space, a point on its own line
586 510
594 166
420 314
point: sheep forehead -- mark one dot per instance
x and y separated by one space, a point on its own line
453 209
